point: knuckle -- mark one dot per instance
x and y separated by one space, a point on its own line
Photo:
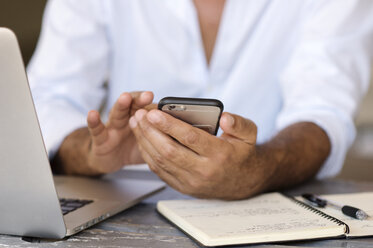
165 126
168 151
158 159
208 174
195 185
192 138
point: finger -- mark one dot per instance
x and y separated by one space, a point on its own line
96 128
163 174
143 143
125 106
166 152
194 138
151 106
119 114
141 99
239 127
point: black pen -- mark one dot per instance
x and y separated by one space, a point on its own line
347 210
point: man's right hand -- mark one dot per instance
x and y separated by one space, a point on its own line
103 148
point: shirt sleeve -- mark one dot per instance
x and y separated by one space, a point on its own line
329 72
69 67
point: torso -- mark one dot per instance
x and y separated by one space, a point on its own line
156 45
209 16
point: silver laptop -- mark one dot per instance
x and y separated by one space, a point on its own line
30 197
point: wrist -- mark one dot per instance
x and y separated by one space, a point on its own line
294 155
73 155
258 173
269 158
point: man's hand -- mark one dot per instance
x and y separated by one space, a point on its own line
231 166
200 164
103 148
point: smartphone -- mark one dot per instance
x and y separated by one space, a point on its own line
198 112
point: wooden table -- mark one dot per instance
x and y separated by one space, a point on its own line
142 226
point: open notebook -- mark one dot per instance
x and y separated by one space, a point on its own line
271 217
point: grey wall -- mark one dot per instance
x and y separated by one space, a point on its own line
24 18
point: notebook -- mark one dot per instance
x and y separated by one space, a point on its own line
271 217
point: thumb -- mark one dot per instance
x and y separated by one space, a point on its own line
239 127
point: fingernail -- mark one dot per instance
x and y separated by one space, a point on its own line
145 96
122 97
230 120
133 122
140 114
154 117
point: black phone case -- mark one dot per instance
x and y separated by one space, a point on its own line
190 101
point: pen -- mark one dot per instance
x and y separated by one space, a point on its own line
347 210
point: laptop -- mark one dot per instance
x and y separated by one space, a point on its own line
33 203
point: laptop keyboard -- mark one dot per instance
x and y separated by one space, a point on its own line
69 205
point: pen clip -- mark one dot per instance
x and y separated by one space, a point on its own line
314 200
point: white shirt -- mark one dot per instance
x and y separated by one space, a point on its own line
274 62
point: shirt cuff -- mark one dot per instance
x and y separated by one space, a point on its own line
339 128
57 121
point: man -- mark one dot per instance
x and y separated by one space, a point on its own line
290 74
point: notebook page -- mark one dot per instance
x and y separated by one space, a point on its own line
265 218
362 201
